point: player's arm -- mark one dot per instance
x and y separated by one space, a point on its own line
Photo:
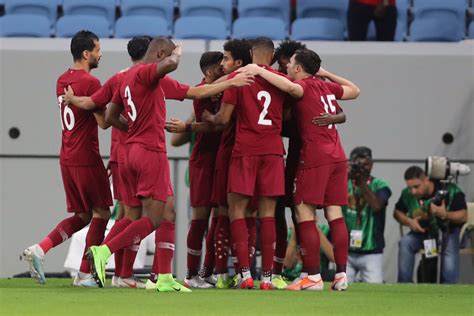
113 117
351 91
180 139
100 118
208 90
84 103
170 63
220 118
282 83
178 126
326 119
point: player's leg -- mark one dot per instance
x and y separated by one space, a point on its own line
281 230
210 257
266 212
222 247
251 223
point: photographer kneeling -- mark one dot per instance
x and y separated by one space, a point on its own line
365 218
425 213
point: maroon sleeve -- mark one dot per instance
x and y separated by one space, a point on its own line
335 88
94 85
174 90
116 99
103 96
302 83
147 74
231 95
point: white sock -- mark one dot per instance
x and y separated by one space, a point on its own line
340 275
266 279
246 275
315 277
303 275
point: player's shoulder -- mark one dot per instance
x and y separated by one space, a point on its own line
203 82
232 75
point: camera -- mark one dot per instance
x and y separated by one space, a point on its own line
440 196
441 168
356 167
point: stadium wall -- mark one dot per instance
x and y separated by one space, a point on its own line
412 93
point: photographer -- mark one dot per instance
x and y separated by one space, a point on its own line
416 209
365 218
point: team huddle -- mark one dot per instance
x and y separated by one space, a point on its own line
237 172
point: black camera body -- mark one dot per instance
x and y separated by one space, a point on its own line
440 196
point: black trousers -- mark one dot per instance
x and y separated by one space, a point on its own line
360 15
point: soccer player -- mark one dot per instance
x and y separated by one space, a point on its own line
321 179
257 166
84 176
283 53
124 258
141 95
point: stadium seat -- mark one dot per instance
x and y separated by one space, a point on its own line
102 8
323 29
335 9
438 20
265 8
130 26
403 6
200 28
253 27
208 8
153 8
471 30
67 26
47 8
24 25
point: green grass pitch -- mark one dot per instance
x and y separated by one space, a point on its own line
58 297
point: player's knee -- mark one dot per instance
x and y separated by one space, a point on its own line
85 216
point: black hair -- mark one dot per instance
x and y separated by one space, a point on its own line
239 49
287 48
81 41
361 151
414 172
209 59
308 60
263 42
138 46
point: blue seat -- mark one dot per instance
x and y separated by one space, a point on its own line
130 26
200 28
69 25
322 29
102 8
403 6
209 8
47 8
438 20
471 30
335 9
24 25
163 9
253 27
265 8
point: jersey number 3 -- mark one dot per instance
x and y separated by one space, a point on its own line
267 99
133 110
67 116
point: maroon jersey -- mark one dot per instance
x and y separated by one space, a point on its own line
259 109
206 145
142 94
80 143
101 98
320 145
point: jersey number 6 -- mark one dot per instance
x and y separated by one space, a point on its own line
67 117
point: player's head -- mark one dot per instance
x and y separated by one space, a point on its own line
417 181
210 64
236 55
85 47
263 50
304 62
283 53
159 48
137 47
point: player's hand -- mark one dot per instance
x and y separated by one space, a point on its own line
68 94
324 119
108 169
178 50
242 79
415 225
322 72
439 211
206 116
251 69
175 126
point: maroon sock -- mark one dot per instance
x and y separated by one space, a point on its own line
310 246
118 259
209 258
340 241
62 232
267 243
133 234
94 237
281 231
129 255
118 227
239 235
251 223
221 244
195 235
164 242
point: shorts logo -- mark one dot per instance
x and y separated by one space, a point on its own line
294 186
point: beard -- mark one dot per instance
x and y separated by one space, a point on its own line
94 63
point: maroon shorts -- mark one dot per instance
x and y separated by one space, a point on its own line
200 184
116 181
148 173
257 175
127 193
322 186
290 173
86 188
219 187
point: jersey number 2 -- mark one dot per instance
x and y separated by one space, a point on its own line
329 107
133 110
67 117
267 99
